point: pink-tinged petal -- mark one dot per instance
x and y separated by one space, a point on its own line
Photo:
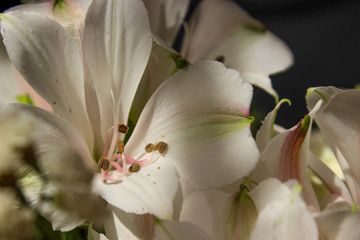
220 29
161 65
117 46
201 112
282 212
151 190
286 157
267 132
48 58
174 230
339 121
166 17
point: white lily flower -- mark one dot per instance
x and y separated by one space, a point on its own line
285 156
196 121
221 30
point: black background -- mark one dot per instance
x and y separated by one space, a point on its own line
324 37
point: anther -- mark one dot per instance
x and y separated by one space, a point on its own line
122 128
161 147
103 163
149 148
135 167
121 146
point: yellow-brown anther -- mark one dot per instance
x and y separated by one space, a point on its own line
149 148
121 146
161 147
103 163
135 167
122 128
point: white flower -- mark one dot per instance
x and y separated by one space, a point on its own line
200 113
221 30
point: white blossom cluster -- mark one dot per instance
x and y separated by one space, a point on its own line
119 136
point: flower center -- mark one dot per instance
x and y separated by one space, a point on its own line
114 164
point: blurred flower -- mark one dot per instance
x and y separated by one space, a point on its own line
17 221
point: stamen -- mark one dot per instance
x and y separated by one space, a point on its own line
121 146
103 163
135 167
122 128
149 148
161 147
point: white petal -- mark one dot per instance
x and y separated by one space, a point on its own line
338 121
282 212
221 29
48 58
338 222
266 132
121 225
9 88
151 190
117 45
161 65
201 112
166 17
286 157
165 230
332 182
207 210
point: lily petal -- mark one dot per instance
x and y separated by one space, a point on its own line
161 65
201 112
151 190
166 17
338 222
9 87
286 157
58 76
117 46
220 29
266 132
282 212
339 123
165 230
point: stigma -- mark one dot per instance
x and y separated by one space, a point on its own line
114 164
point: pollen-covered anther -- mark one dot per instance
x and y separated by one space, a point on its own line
161 147
103 163
122 128
121 146
135 167
150 147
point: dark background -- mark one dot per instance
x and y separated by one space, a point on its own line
324 37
